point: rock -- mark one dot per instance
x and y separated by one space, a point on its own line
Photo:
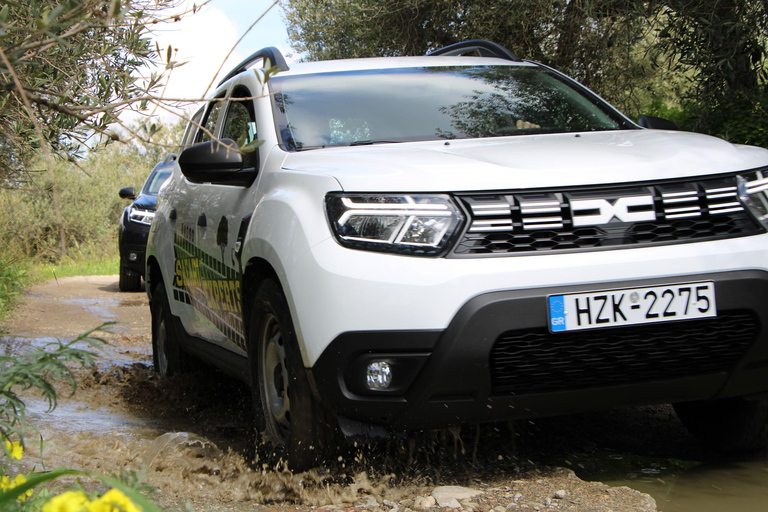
499 509
448 502
390 504
517 497
449 495
369 502
560 495
424 502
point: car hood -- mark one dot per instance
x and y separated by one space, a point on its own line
529 161
145 202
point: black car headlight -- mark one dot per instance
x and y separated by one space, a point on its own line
141 216
415 224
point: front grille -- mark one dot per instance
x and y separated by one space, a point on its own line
539 361
511 223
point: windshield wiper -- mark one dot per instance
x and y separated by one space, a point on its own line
308 148
368 142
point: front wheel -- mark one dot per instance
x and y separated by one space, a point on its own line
733 424
166 354
292 425
130 280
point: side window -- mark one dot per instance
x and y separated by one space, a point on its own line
191 131
240 126
209 126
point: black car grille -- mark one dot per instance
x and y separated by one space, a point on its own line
539 361
509 223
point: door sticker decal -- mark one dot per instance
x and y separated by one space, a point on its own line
208 285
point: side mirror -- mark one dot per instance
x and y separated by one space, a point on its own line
657 123
218 162
127 193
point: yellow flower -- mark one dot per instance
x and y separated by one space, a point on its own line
113 501
14 449
21 479
6 484
70 501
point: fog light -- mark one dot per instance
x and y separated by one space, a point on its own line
378 375
132 256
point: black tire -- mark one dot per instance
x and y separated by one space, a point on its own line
130 281
166 354
730 424
292 427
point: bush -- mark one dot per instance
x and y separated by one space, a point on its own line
11 282
743 121
87 193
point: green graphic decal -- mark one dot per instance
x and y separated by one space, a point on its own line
208 285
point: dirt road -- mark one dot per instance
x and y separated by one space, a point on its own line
192 432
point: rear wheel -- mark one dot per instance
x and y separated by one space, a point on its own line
130 280
727 424
291 424
166 353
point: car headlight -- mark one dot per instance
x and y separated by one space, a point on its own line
141 216
753 192
417 224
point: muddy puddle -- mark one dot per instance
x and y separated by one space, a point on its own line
191 438
691 486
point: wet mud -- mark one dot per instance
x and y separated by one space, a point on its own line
191 435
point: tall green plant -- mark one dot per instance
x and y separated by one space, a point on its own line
41 369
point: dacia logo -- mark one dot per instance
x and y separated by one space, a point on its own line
591 212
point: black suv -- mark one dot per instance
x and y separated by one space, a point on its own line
134 225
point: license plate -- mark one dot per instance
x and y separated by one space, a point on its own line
631 306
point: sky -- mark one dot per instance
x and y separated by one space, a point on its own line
205 38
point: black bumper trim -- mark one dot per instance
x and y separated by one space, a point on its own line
454 386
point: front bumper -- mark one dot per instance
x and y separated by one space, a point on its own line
133 245
496 360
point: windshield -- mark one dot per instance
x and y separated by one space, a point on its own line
155 181
429 103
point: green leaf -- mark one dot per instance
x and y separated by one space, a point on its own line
4 13
55 14
251 146
34 481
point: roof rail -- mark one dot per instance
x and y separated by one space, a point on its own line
484 48
270 53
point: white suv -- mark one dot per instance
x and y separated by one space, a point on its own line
396 244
